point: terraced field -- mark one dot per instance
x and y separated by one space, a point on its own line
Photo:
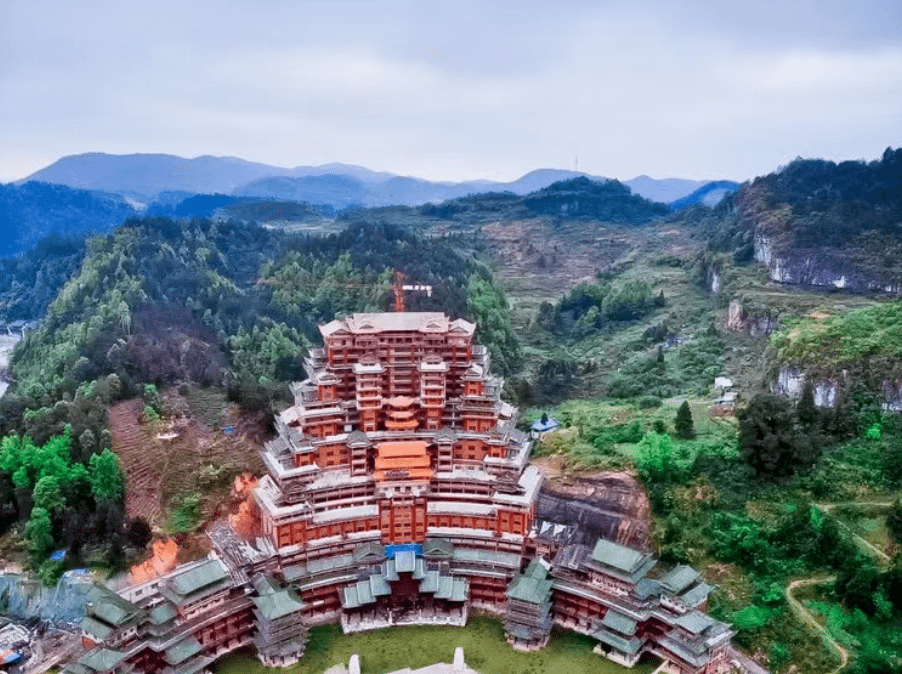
182 454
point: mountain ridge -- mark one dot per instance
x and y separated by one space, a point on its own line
143 176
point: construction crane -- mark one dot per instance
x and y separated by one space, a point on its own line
399 288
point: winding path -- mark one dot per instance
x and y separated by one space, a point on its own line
809 619
877 552
803 613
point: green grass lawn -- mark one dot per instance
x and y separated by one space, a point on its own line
485 650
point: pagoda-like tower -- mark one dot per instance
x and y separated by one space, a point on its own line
397 435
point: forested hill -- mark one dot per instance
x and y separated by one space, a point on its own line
577 198
34 210
610 201
226 303
816 222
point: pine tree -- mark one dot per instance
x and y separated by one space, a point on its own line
806 412
683 424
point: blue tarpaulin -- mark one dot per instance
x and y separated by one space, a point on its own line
392 550
9 656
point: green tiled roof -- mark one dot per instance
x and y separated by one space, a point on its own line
630 646
487 557
379 585
536 569
207 574
101 659
695 622
96 628
679 578
697 595
265 585
183 650
73 667
294 572
369 552
334 563
459 591
405 561
619 622
349 598
429 584
365 593
438 547
530 590
647 587
278 604
162 614
389 570
109 607
617 556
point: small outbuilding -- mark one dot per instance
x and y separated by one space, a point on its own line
543 426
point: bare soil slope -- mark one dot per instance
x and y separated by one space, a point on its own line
166 460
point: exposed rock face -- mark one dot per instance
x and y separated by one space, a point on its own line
738 320
819 267
791 380
715 282
892 390
612 505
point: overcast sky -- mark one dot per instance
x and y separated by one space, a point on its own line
455 90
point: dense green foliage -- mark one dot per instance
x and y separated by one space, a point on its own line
848 213
868 339
159 301
771 439
609 201
682 423
31 281
63 501
566 200
33 211
591 306
747 511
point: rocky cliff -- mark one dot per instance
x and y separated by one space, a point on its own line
826 267
740 320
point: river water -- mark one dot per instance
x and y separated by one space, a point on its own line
7 344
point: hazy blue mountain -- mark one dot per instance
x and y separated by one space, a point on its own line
334 190
709 194
663 190
360 173
33 211
148 177
539 179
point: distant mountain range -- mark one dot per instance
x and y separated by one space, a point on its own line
143 178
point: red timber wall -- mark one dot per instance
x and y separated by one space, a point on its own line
300 532
326 456
476 450
488 591
403 522
574 608
234 626
324 600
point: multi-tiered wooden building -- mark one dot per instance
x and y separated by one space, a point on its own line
398 435
399 492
